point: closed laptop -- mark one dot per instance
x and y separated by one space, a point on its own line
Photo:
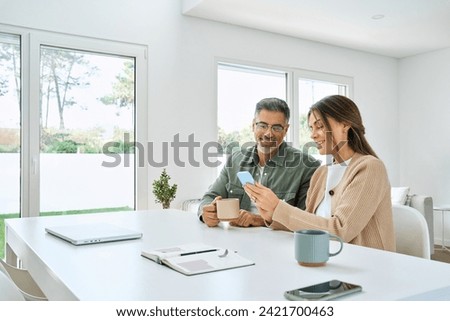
91 233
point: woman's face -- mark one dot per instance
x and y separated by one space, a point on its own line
328 140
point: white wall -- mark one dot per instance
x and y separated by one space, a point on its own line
424 105
182 75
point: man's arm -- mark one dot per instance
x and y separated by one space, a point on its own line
218 188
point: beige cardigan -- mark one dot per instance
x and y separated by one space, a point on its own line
360 204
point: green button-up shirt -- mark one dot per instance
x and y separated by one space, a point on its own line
287 174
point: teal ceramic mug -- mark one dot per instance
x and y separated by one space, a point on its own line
312 247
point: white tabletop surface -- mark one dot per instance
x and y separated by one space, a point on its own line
117 271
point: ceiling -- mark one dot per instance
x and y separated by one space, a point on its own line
403 28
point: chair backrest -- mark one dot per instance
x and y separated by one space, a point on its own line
424 204
191 205
411 231
24 282
8 290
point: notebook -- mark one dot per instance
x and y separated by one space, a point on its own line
197 258
91 233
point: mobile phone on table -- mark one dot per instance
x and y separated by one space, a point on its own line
322 291
245 177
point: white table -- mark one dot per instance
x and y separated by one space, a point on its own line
443 210
116 271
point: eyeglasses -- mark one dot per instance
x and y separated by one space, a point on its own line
264 126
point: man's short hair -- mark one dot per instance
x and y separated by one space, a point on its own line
273 104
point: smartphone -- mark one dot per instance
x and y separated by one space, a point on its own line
322 291
245 177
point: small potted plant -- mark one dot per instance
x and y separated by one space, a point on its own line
162 190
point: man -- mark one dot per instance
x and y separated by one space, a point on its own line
284 169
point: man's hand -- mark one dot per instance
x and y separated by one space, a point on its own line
209 213
247 219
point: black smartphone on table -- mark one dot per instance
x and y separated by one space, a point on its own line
322 291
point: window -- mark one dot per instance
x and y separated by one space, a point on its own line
10 129
239 89
241 86
311 88
87 101
67 105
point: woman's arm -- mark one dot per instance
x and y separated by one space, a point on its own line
361 193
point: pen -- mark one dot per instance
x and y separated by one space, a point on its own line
198 252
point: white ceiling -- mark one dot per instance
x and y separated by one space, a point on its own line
409 27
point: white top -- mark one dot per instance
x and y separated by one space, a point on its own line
334 176
117 271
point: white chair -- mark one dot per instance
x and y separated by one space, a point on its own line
411 231
8 290
24 282
191 205
424 204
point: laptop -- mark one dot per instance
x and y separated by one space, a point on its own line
91 233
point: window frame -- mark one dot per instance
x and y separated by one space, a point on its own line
292 79
31 41
298 74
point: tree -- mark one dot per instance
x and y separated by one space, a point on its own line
231 140
123 90
164 193
10 64
61 70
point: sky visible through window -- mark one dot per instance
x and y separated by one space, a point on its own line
238 93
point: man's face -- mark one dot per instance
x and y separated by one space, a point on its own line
269 128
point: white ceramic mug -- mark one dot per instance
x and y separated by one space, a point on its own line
227 209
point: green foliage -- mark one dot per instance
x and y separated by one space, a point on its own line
87 141
119 146
3 217
304 132
66 146
10 55
122 142
162 190
235 139
88 149
9 149
3 86
123 89
304 136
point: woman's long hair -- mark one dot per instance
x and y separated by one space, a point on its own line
344 110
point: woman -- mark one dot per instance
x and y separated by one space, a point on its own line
349 197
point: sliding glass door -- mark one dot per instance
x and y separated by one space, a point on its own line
87 100
71 109
87 107
10 129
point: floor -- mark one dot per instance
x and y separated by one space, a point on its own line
440 255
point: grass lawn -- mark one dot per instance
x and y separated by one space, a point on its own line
96 210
